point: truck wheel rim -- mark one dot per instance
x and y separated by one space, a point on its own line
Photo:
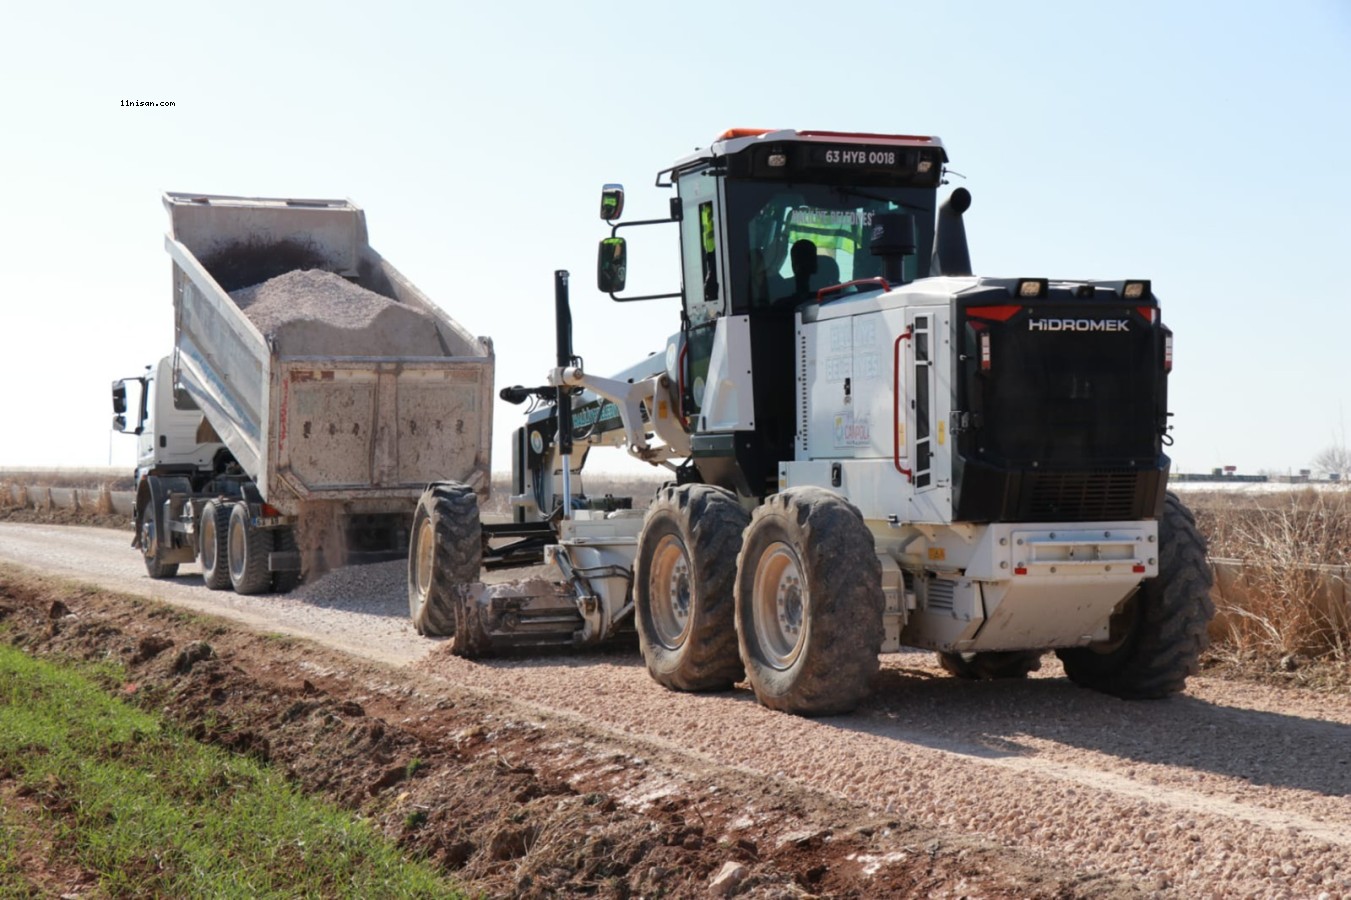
672 592
780 602
236 539
426 549
209 538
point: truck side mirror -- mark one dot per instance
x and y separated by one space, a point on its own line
611 202
612 265
119 423
119 397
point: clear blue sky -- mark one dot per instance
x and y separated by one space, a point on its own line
1203 145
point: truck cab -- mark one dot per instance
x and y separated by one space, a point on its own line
172 435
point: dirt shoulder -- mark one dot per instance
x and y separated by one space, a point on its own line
511 799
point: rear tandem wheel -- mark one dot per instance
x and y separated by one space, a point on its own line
809 603
683 587
247 550
1158 633
215 545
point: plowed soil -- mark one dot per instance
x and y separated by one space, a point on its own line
512 799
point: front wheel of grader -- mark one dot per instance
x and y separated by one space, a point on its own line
1157 635
444 557
809 603
682 585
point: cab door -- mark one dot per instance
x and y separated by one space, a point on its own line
704 278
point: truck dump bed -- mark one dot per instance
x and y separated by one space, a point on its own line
341 395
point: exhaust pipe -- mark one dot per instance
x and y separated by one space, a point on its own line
951 255
563 399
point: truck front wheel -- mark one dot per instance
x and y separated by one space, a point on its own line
683 582
445 554
151 551
809 603
247 549
1157 634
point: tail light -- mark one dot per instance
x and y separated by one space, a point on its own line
985 351
1167 351
271 511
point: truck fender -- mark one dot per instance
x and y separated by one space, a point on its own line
150 496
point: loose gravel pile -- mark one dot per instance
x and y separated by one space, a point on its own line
310 312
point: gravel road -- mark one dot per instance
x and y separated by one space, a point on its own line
1229 790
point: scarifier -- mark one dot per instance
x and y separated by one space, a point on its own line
870 447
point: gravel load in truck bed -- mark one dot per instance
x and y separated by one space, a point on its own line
310 312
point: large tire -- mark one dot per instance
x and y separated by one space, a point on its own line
809 603
155 567
247 550
444 555
215 545
1158 633
284 541
991 665
683 583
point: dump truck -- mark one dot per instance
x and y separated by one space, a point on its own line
312 393
870 447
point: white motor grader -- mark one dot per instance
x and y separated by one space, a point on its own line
870 448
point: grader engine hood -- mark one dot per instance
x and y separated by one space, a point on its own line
1062 399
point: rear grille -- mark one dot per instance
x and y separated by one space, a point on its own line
940 595
1081 496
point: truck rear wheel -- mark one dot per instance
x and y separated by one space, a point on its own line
284 541
215 545
444 555
683 583
247 549
1158 633
990 665
809 603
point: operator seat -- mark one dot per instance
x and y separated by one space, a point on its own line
827 273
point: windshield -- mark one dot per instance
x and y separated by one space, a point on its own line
788 240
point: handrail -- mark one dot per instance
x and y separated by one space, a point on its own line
836 288
896 406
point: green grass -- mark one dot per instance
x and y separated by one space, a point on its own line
153 813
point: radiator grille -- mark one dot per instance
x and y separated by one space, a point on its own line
1082 496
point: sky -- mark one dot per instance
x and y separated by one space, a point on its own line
1202 145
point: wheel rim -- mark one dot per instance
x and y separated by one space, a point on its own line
671 590
422 559
236 547
780 605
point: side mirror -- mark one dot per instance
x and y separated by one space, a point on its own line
612 265
119 423
611 202
119 397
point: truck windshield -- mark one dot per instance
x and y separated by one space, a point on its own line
765 219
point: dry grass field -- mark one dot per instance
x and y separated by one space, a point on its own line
1286 599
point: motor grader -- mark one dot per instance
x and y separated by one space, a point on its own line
869 448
